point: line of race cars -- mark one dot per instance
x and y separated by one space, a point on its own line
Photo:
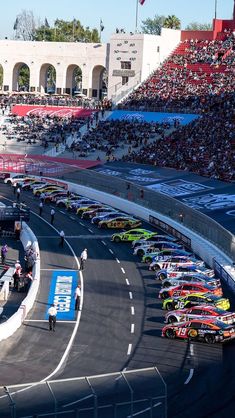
190 292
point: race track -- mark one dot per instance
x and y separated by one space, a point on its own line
119 326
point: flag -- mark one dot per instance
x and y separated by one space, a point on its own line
46 23
101 26
141 2
16 24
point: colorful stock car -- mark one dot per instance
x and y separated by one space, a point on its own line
195 312
206 330
187 288
194 299
131 235
120 222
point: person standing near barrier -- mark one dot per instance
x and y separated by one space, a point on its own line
40 208
83 259
52 216
77 297
62 235
4 251
52 312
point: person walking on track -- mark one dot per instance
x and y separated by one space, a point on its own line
4 251
83 259
18 194
40 208
52 312
62 235
77 297
52 216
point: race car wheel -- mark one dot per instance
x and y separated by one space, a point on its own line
37 194
169 306
171 319
117 239
140 253
166 284
162 276
170 333
156 267
209 339
164 295
192 333
60 205
148 260
103 226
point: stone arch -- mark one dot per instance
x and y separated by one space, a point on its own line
47 78
99 82
21 77
73 80
1 77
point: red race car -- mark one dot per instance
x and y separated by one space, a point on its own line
207 311
207 330
186 288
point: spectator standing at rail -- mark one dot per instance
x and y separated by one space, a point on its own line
18 194
40 208
77 297
62 235
52 216
52 312
83 259
4 251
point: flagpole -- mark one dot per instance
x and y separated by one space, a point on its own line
136 16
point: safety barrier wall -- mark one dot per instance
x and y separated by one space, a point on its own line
157 202
8 328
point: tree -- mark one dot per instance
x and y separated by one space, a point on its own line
23 80
153 26
25 26
199 26
66 31
172 22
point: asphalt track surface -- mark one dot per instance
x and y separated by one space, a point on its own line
119 326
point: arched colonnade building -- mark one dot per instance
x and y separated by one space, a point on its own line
66 60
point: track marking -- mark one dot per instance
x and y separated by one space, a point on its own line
72 217
61 211
130 295
132 328
90 230
132 310
56 269
82 224
129 349
104 243
127 282
192 349
123 270
117 261
189 377
111 251
144 410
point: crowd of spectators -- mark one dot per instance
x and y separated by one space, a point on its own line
109 135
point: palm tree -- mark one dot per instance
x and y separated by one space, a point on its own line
172 22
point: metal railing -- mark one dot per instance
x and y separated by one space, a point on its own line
124 394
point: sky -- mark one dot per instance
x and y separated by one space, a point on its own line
114 13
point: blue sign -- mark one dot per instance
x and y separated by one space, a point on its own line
63 285
183 118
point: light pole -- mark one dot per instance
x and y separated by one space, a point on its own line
215 9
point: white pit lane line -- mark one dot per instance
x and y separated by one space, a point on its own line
103 242
132 328
127 282
130 295
129 349
132 310
111 251
189 377
118 261
123 270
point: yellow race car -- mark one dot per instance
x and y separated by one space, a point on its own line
120 222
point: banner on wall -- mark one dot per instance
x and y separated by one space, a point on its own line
182 118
